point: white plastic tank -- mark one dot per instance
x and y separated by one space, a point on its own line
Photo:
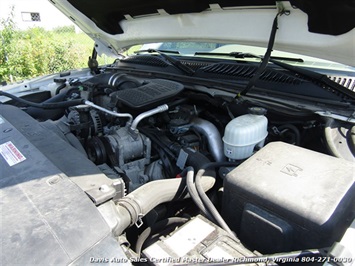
244 132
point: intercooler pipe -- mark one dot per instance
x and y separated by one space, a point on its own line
209 130
134 206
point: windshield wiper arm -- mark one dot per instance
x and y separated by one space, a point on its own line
156 51
322 78
317 77
171 60
248 55
295 69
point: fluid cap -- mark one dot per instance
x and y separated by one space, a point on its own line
257 111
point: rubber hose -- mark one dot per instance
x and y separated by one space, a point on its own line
206 201
197 160
142 200
294 129
56 105
191 187
134 206
60 87
52 114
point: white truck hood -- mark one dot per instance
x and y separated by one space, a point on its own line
319 29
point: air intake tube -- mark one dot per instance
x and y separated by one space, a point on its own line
116 80
134 206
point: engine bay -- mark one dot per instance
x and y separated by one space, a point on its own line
162 159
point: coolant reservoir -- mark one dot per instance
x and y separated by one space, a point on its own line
243 133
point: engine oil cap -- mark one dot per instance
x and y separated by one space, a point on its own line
257 111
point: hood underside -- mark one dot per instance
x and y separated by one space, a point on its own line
323 29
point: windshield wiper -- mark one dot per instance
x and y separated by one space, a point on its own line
248 55
157 51
318 77
323 79
176 63
315 76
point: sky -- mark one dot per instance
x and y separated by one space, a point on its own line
49 16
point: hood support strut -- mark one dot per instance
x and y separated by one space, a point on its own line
93 64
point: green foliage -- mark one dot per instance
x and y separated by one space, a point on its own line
7 34
62 29
36 51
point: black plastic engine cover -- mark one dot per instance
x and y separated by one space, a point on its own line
288 198
151 94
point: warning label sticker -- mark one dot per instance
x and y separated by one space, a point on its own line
11 154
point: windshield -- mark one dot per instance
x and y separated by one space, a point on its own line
184 48
220 50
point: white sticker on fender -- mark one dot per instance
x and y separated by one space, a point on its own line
11 154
